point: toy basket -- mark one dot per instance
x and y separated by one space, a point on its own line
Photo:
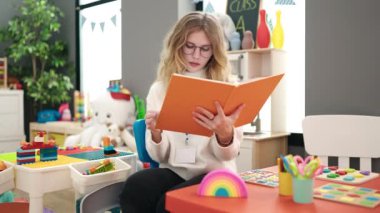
130 160
88 183
7 176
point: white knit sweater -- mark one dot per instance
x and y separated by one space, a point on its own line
209 154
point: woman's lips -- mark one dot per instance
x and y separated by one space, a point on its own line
194 64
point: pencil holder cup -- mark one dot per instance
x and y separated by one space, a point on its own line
303 190
285 184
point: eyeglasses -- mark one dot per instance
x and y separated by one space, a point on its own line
205 50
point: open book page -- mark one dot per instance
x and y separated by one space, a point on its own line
185 93
253 94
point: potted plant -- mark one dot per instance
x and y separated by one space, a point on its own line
38 58
50 88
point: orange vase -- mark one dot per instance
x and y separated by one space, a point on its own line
263 35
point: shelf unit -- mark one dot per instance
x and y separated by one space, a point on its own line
261 150
253 63
3 72
57 130
11 119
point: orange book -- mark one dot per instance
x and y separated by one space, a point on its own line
185 93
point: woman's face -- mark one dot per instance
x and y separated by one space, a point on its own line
197 51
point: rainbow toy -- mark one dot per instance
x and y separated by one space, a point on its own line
222 183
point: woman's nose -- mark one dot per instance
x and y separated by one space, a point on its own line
197 52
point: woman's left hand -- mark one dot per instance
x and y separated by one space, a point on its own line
220 123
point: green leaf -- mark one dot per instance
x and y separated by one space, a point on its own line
50 87
31 36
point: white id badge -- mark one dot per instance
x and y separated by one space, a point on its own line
185 155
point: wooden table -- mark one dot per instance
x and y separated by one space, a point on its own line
260 199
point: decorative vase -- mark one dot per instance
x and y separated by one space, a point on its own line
247 42
263 35
278 32
235 41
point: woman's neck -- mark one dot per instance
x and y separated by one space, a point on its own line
200 73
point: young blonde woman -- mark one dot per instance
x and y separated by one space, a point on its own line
194 47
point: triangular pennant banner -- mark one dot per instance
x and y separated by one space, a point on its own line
113 19
93 26
102 26
209 8
285 2
82 21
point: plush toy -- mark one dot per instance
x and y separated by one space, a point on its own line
228 27
64 110
114 134
112 115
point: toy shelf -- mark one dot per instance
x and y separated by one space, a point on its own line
3 72
57 130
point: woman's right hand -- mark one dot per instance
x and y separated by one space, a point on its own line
150 122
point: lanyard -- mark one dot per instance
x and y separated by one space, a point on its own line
187 139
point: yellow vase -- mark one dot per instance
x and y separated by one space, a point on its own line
278 32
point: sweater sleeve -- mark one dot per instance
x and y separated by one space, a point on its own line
157 151
231 151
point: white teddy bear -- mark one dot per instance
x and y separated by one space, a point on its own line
114 134
228 27
111 117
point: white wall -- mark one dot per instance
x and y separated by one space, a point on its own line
342 58
144 26
293 23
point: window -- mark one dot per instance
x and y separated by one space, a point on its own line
100 45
